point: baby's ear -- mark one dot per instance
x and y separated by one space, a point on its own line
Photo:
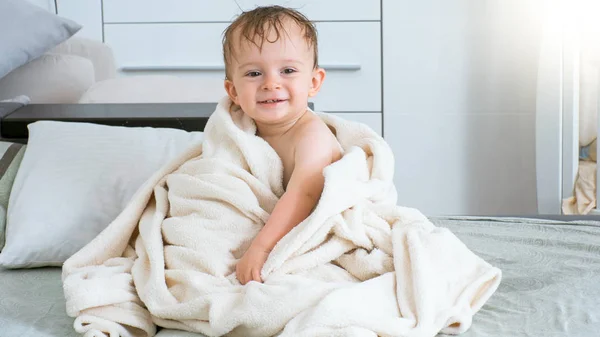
318 77
230 88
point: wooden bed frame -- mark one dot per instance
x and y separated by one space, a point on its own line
15 117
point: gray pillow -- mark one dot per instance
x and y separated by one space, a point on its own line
28 31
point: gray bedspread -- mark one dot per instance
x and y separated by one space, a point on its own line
551 275
550 287
32 304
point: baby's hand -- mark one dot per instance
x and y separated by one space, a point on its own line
249 267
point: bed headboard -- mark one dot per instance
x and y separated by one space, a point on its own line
14 117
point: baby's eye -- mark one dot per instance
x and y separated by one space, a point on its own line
253 73
289 70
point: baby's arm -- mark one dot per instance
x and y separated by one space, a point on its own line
313 153
303 191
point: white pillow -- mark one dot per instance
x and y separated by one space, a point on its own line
51 78
154 89
75 178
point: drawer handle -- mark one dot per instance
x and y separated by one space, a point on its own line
204 67
220 67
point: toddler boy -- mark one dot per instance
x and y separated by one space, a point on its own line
271 67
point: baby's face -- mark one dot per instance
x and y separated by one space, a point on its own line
272 86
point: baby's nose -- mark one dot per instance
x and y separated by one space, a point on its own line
271 83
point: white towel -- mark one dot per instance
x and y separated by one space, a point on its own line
359 265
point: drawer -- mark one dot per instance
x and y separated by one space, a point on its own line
349 51
372 119
225 10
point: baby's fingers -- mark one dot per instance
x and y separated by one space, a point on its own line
256 275
240 275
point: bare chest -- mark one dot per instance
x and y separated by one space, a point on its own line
286 154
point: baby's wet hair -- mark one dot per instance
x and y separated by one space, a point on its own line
254 26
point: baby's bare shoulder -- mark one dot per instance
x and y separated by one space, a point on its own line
313 124
314 136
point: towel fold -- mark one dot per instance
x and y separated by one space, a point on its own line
583 200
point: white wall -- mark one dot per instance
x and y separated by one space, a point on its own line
459 103
47 4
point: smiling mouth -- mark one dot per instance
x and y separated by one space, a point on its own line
272 101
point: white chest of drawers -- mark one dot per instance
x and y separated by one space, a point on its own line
183 37
116 11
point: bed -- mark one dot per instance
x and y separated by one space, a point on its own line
550 282
551 268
